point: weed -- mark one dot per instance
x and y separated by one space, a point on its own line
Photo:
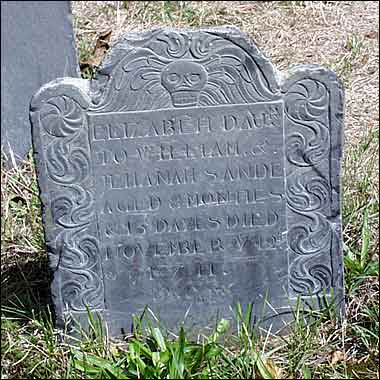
85 53
346 64
361 210
354 45
87 72
85 50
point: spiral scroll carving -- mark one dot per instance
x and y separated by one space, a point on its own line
306 100
79 267
73 208
308 278
307 193
84 286
61 116
308 190
84 290
306 104
67 164
81 256
311 237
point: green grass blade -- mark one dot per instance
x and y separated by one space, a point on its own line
156 332
366 237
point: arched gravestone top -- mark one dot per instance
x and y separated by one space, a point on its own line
190 175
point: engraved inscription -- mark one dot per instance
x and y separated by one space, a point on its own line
193 182
145 224
194 121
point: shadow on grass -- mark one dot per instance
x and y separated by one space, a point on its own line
25 288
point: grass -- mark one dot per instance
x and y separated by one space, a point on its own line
176 12
361 211
322 349
345 65
332 36
85 52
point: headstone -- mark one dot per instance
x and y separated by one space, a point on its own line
190 176
37 46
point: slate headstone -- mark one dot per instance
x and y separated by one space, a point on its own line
191 176
37 46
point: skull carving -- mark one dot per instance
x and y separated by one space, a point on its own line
184 80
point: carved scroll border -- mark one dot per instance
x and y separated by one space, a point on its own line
61 146
313 136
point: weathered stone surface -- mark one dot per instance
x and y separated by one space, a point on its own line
189 176
37 46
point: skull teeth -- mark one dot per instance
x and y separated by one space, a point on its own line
184 99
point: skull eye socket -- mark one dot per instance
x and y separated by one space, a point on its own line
173 78
195 78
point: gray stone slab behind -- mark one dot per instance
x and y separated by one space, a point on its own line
37 46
